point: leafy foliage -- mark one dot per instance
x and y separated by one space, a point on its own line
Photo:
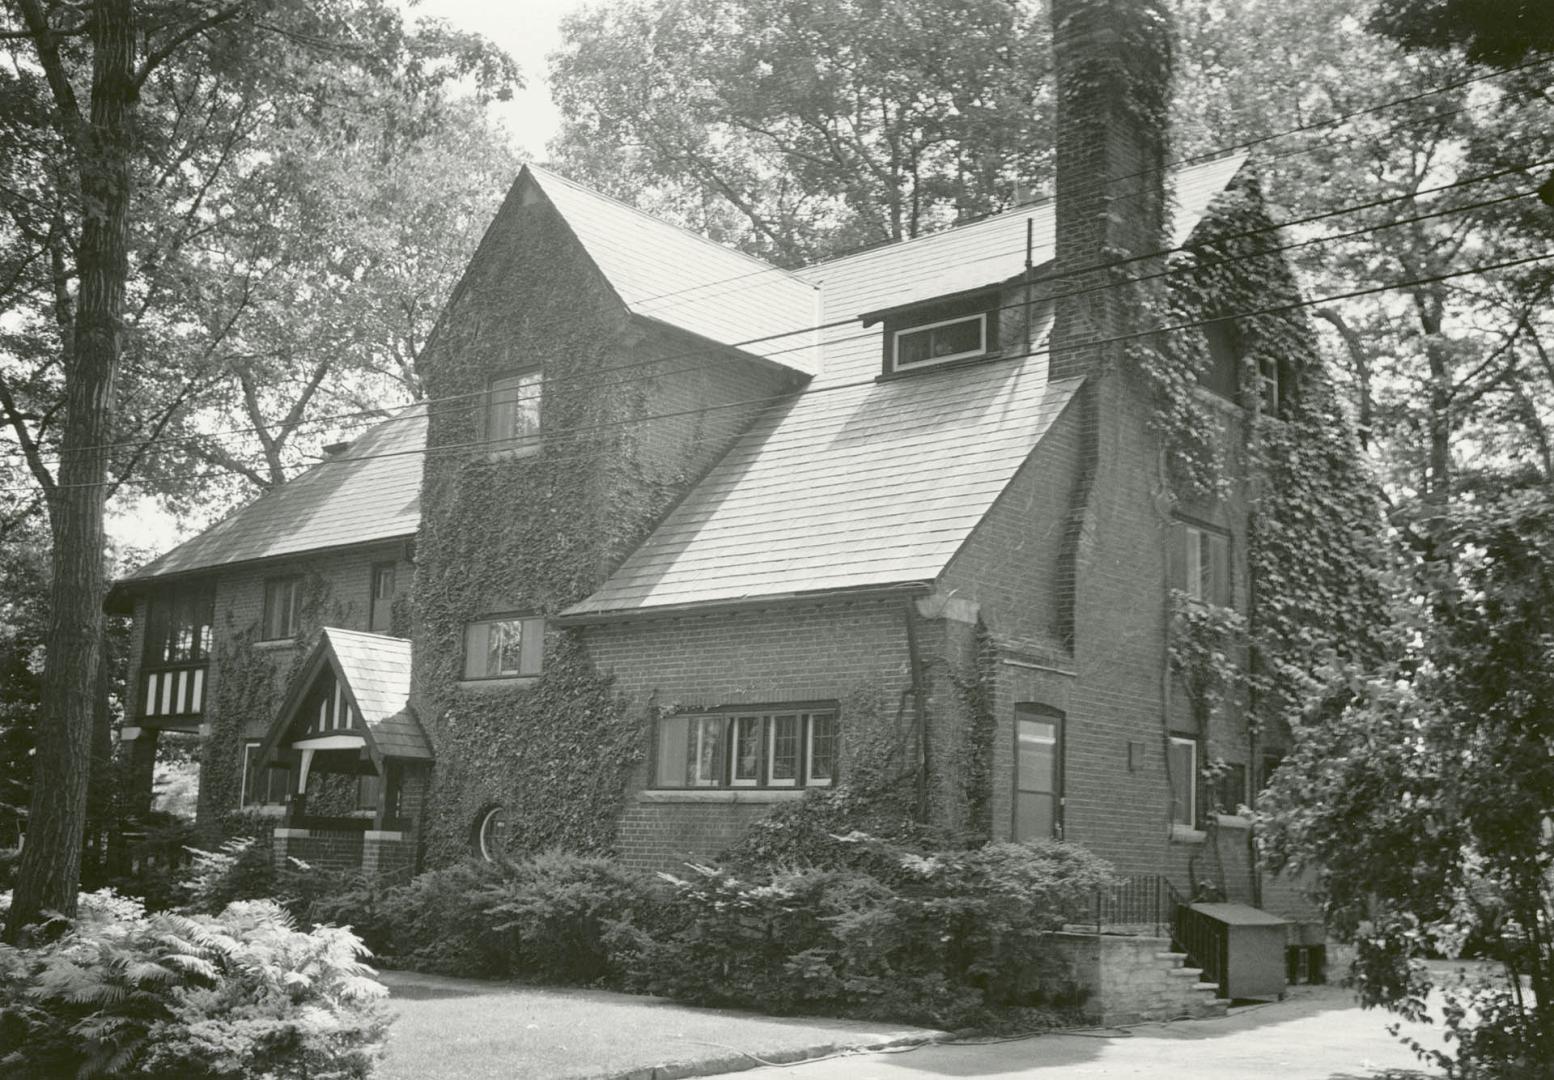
179 997
795 129
1423 802
947 938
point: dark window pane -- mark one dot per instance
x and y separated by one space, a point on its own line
747 749
823 740
1033 816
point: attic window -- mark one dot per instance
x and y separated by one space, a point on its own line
941 342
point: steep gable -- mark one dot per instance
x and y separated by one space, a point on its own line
676 277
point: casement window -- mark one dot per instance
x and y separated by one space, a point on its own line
1269 766
282 607
1183 764
781 747
941 342
504 647
513 413
1202 564
178 628
261 786
1222 375
381 616
1038 772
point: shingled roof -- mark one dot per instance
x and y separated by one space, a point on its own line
368 492
861 484
672 275
375 673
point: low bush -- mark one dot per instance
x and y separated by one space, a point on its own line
242 994
570 918
950 938
438 923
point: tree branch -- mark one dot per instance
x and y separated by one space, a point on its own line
156 57
45 42
29 445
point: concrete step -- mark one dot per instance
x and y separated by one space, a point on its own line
1185 972
1177 958
1207 987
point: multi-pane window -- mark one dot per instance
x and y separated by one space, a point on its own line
938 342
178 628
513 412
261 786
1204 571
1037 773
282 606
1184 781
506 647
382 613
776 748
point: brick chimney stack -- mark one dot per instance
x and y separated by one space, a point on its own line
1112 60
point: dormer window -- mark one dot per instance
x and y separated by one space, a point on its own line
943 331
941 342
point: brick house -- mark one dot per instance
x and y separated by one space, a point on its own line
679 536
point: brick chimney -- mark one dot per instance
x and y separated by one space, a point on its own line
1112 60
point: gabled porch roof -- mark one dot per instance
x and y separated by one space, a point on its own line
368 707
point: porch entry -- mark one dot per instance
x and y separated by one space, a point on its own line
1038 772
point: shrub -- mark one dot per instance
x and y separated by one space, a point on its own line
438 922
569 917
165 996
949 938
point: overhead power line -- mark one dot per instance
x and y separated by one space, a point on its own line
761 402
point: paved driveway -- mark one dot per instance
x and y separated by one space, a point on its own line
1317 1033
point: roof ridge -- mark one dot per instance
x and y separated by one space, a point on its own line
655 219
1027 207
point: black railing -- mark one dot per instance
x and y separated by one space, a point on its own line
1136 903
1206 942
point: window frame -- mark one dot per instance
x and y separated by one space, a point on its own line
294 618
1196 539
482 832
529 624
1191 743
514 445
373 601
166 608
896 364
721 727
1025 711
245 799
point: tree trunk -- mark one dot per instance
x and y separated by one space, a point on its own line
49 869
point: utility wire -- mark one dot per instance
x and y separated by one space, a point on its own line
376 415
760 402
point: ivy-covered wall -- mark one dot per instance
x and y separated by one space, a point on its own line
536 532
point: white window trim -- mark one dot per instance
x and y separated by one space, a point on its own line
728 724
895 345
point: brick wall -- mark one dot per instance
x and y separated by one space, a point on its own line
758 656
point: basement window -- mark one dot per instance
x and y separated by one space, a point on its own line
504 647
778 748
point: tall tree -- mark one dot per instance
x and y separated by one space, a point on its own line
125 117
795 128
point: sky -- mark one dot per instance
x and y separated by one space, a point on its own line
527 30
